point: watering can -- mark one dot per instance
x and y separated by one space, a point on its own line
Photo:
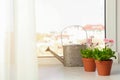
71 52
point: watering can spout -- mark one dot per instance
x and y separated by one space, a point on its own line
48 49
55 54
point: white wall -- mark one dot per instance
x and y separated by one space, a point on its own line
111 20
111 26
118 27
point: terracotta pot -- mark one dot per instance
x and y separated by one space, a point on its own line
89 64
104 67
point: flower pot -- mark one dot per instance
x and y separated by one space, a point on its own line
104 67
89 64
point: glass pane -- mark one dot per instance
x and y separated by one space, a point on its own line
54 16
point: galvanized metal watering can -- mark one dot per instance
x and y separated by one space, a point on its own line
71 47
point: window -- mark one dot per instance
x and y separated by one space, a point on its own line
52 16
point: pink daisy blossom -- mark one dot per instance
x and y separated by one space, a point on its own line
111 41
106 40
89 41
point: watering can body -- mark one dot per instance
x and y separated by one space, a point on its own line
71 55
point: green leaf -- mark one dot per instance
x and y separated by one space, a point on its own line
103 54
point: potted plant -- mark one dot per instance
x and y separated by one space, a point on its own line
103 58
87 59
87 56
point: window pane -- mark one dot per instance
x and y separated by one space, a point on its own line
54 16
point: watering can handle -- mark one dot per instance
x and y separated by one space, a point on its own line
77 26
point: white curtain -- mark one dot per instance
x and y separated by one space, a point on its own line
18 60
6 24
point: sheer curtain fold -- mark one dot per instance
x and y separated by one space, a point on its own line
5 32
26 59
18 60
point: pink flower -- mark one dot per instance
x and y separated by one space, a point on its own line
89 41
107 43
111 41
106 40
